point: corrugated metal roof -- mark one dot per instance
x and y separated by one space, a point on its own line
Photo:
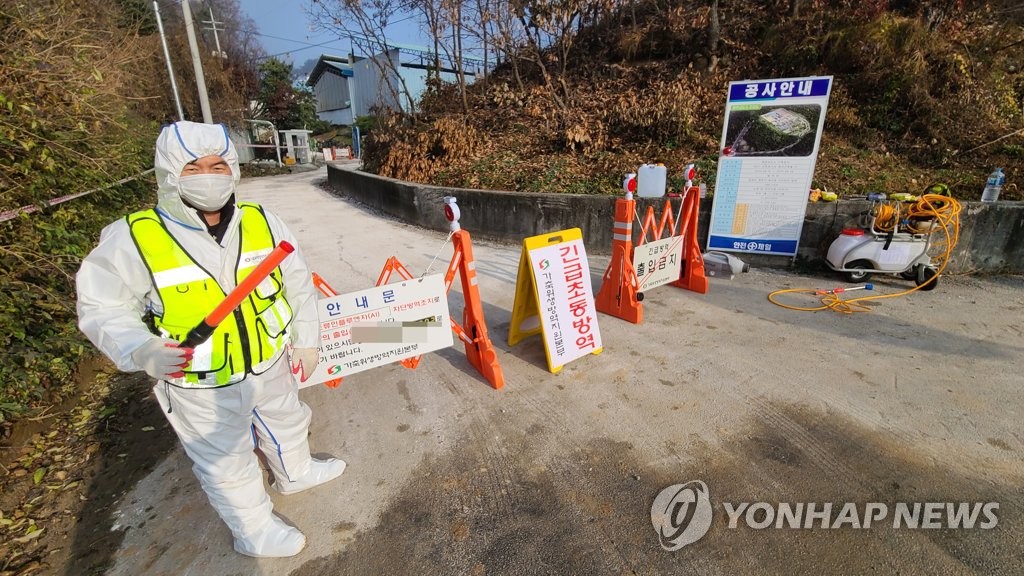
325 62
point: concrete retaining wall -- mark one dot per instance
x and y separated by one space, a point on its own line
991 238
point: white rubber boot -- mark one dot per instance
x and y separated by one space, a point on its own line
320 471
275 540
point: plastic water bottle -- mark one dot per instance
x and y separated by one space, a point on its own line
993 186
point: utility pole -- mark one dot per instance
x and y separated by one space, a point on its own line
197 65
167 58
216 39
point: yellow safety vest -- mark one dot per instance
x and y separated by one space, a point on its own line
247 342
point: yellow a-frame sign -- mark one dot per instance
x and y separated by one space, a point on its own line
554 298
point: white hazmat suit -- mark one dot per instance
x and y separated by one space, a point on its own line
218 427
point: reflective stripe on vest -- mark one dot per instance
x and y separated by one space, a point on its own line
248 341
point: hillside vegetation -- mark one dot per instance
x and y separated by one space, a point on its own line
83 91
923 92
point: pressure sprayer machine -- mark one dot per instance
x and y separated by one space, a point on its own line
895 236
906 235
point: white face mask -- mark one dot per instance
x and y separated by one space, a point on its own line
207 192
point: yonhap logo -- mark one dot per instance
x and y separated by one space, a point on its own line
681 514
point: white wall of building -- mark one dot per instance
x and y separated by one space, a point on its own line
370 87
342 117
340 100
331 91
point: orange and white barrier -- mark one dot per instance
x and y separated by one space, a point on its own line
480 352
692 276
620 289
620 293
332 153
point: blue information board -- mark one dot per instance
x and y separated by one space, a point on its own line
766 162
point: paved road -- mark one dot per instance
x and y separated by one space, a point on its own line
919 401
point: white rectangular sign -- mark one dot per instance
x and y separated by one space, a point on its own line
566 301
658 263
766 162
380 325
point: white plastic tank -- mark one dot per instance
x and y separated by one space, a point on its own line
651 180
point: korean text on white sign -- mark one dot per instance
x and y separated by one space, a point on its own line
377 326
567 312
657 263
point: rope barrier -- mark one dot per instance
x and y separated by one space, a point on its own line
438 255
12 214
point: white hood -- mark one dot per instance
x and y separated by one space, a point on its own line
179 144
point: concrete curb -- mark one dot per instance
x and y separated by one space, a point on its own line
991 237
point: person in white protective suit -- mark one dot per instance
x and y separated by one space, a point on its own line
155 274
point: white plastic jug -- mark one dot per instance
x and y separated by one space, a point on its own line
722 265
651 180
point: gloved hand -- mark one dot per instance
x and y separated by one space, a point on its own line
162 358
304 361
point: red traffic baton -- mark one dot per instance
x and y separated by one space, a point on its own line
205 329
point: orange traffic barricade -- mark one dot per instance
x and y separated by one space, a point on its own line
480 351
620 293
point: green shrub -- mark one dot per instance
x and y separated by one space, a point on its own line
40 344
66 126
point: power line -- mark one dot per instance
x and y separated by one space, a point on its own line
350 35
406 48
306 47
406 19
294 40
